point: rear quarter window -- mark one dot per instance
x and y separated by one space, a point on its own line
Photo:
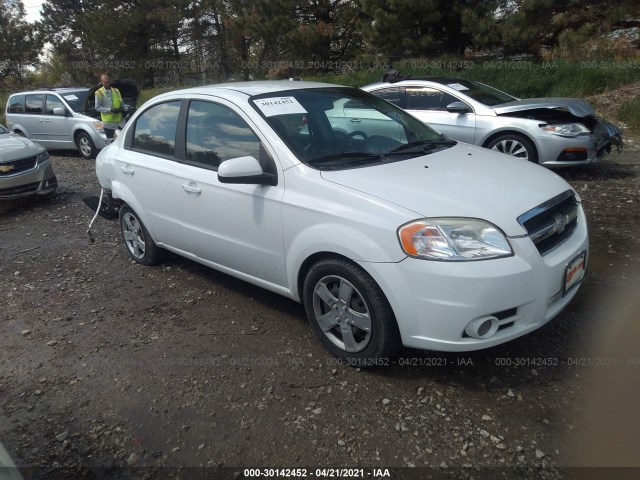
155 130
16 104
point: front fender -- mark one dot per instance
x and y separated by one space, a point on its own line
350 243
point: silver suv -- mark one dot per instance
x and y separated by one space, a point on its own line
63 118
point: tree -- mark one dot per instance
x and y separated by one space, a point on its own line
20 44
401 28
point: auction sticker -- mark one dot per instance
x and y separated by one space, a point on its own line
279 106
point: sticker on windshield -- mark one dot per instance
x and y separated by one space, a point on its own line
457 86
70 97
279 106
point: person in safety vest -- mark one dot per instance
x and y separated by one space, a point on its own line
110 105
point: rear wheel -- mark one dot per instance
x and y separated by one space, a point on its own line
137 239
350 314
515 145
85 145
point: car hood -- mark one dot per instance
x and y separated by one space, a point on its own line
462 181
575 106
14 146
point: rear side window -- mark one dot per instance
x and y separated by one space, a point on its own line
216 133
53 102
426 98
155 130
33 104
393 95
16 104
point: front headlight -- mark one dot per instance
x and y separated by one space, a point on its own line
98 125
42 156
567 130
453 239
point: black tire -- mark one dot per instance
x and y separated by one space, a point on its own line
516 145
362 331
85 145
137 240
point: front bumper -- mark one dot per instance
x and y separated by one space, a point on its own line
557 151
435 301
39 181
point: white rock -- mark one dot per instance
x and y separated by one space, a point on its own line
539 453
386 401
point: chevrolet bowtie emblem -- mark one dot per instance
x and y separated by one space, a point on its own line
6 168
560 222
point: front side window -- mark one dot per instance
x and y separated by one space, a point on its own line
155 129
216 133
33 103
53 102
16 104
76 99
427 98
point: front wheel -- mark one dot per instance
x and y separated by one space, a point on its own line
516 145
137 239
85 145
350 314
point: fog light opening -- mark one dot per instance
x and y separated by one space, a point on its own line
484 327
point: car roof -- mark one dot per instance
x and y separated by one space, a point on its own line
60 90
441 80
252 88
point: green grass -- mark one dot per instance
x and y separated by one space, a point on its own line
629 113
524 78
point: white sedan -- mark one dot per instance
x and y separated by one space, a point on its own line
388 236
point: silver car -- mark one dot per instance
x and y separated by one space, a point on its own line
25 168
554 132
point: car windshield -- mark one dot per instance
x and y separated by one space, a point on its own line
75 99
482 93
336 128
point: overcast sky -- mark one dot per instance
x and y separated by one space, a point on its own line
32 7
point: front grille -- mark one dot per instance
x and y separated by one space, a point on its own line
28 188
551 223
18 166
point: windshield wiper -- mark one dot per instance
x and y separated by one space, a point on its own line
422 145
350 157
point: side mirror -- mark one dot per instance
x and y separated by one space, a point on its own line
60 111
245 170
458 107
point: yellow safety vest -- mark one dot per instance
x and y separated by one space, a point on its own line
116 102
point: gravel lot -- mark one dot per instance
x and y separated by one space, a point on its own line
113 370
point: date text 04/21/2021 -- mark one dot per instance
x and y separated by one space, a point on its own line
317 472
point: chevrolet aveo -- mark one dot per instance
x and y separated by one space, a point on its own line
388 233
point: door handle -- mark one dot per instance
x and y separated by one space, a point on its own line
355 120
191 189
127 170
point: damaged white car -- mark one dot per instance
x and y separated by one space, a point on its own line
389 235
554 132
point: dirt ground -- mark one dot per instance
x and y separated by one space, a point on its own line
109 369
